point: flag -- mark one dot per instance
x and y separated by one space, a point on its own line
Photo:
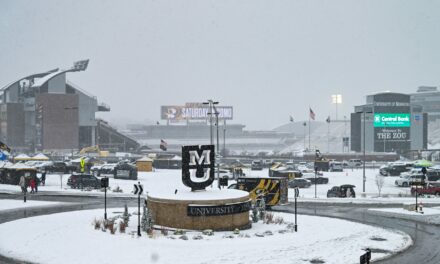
163 145
4 147
3 156
328 119
312 114
80 65
291 119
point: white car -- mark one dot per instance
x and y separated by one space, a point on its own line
406 180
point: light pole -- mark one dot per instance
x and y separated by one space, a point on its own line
224 137
304 124
365 111
210 104
218 146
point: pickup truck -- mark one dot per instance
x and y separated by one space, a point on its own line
430 188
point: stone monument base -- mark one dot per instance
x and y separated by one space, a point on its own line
219 210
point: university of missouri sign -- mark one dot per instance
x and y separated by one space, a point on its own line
212 210
198 165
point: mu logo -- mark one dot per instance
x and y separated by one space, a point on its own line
198 164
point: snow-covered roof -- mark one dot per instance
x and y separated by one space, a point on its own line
78 160
40 156
176 158
145 158
4 164
18 166
39 82
22 157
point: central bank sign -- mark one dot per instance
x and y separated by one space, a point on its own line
392 120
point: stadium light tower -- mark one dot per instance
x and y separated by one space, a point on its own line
336 99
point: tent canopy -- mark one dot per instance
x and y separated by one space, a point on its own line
422 163
22 157
40 156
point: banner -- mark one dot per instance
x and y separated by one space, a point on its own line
392 120
194 112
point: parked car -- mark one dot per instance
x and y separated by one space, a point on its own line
406 180
125 171
319 179
300 183
257 165
394 169
429 189
57 167
433 175
354 163
224 173
342 191
83 180
106 169
336 166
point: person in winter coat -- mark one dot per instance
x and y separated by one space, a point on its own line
43 178
22 184
33 184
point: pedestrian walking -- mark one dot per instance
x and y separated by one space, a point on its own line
43 178
32 183
36 183
22 184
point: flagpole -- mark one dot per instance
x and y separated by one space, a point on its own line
309 128
328 135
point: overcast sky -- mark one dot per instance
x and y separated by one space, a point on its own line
268 59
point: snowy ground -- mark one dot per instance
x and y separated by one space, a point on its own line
6 204
430 215
330 240
169 180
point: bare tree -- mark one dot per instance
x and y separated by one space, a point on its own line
380 180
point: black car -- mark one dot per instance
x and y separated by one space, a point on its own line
58 167
343 191
125 171
394 170
300 183
83 180
319 180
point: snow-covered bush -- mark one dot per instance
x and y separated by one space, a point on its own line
97 224
254 214
269 218
126 215
262 208
122 227
117 189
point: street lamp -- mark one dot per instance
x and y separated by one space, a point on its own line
218 146
210 104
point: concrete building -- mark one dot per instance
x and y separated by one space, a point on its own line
428 97
392 124
46 112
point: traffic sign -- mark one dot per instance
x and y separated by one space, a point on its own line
296 192
138 189
104 182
